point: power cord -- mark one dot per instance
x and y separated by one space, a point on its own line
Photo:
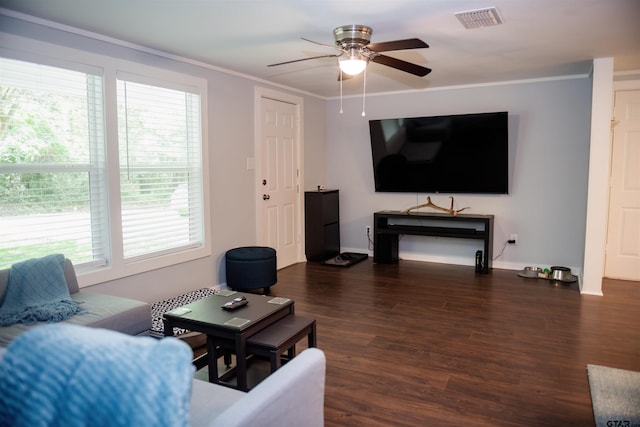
503 248
370 242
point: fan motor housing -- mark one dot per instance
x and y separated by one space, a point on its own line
352 35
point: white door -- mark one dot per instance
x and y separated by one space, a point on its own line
277 171
623 234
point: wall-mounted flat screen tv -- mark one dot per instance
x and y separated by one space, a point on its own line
466 153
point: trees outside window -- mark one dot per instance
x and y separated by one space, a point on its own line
58 192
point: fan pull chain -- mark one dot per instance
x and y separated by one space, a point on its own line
341 78
364 89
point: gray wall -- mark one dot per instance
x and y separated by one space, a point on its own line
549 147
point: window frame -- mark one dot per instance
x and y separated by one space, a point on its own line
117 267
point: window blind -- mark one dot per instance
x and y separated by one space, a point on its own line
159 139
52 163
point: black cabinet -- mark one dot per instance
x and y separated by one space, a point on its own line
322 224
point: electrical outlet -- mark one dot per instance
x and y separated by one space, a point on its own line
513 239
368 228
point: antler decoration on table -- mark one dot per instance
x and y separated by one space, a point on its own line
434 206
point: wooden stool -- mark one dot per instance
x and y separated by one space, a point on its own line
282 336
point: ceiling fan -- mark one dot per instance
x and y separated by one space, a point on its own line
355 52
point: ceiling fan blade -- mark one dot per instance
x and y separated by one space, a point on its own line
401 65
397 45
303 59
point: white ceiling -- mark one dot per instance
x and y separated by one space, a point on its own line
539 38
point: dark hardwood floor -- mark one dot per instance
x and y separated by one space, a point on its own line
418 344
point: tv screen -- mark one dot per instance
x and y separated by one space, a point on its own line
466 153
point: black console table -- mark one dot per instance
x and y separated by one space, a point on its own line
388 225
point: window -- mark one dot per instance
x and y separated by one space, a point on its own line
160 172
104 197
52 163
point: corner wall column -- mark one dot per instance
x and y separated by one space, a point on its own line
599 171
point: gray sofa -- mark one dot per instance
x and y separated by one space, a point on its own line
293 396
102 311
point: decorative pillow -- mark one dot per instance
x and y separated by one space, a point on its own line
37 291
69 375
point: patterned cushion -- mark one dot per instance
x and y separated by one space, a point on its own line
161 307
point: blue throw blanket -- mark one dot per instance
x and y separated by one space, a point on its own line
37 291
73 376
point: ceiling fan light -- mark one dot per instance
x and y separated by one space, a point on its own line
352 65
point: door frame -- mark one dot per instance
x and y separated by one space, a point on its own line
298 102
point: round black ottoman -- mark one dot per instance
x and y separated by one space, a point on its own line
251 267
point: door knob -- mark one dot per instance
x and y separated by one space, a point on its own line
266 197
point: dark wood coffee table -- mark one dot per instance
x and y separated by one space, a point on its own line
223 326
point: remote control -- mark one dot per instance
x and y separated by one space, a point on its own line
235 303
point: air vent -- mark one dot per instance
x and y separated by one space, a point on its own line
479 18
